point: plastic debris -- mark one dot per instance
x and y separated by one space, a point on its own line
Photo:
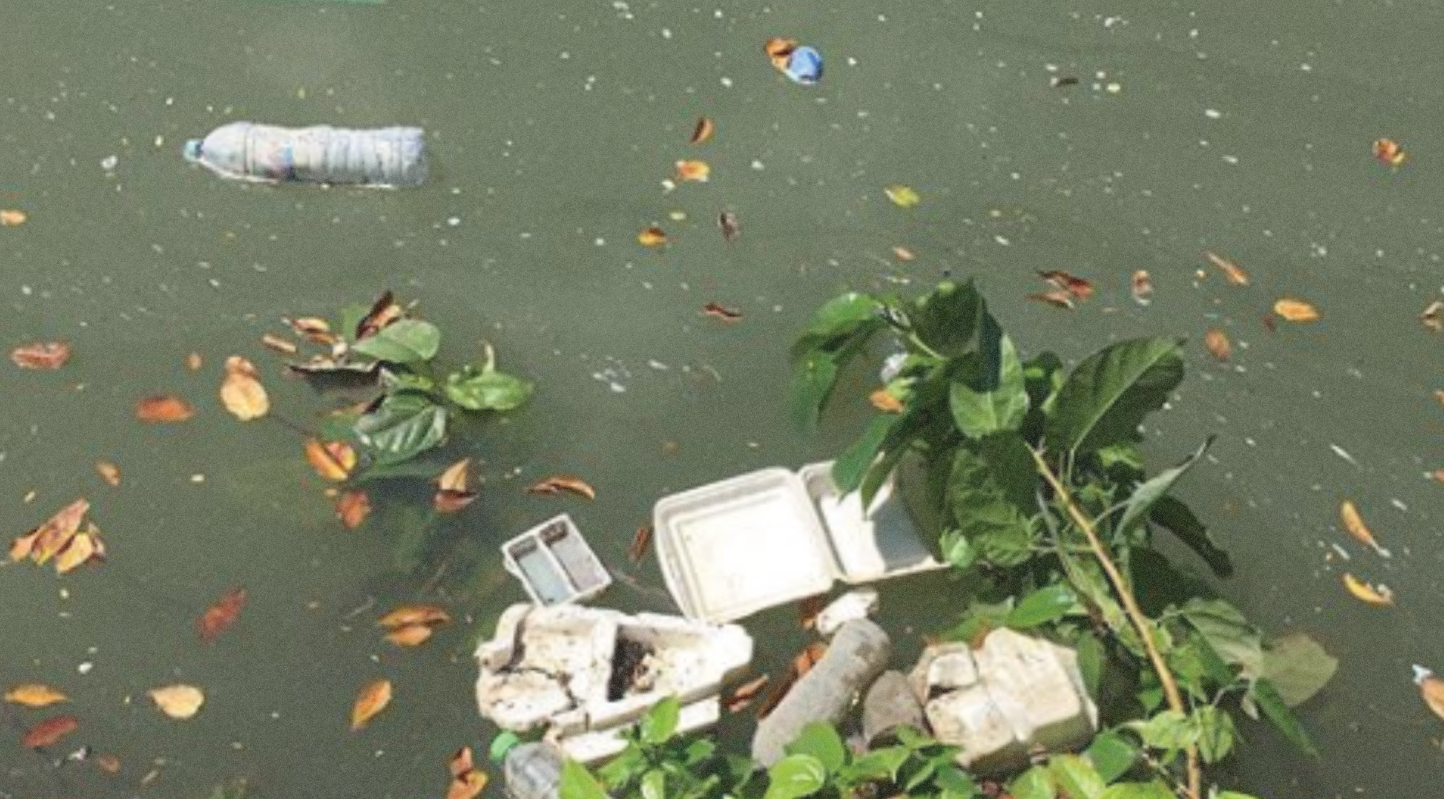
804 66
383 157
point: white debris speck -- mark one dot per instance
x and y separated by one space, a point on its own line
599 241
109 162
84 668
1230 159
198 478
1342 453
757 165
1114 88
1003 240
726 82
666 33
453 221
1399 503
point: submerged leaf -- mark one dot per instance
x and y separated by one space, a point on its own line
352 508
163 408
220 616
384 311
178 701
902 196
409 615
49 731
1433 316
241 390
41 355
411 635
719 311
109 472
744 694
640 541
1217 343
1076 286
52 536
1232 272
372 700
1058 298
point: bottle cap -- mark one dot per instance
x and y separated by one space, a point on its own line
192 150
804 65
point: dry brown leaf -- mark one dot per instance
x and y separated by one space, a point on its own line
412 635
41 355
383 312
1433 316
332 461
1438 475
352 508
560 483
372 700
703 130
163 408
1291 310
640 541
24 545
1076 286
903 254
718 311
1389 153
56 532
731 226
314 330
1232 272
808 657
801 664
49 731
1354 524
883 400
740 698
1217 343
220 616
194 361
452 493
178 701
276 343
241 391
778 50
83 548
467 785
693 170
461 762
408 615
34 695
109 472
11 217
1141 285
1378 596
1057 298
807 610
652 237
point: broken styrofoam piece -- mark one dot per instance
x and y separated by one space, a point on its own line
584 673
555 563
860 603
1013 695
854 658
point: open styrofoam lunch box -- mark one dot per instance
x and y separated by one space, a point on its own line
732 548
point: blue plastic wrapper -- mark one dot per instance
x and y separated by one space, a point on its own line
804 66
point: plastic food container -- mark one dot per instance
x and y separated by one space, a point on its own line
732 548
555 564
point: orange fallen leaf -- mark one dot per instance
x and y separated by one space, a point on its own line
1431 690
56 532
1438 475
193 361
34 695
178 701
1217 343
808 608
903 253
703 130
640 541
108 763
22 547
109 472
41 355
314 330
693 170
452 493
740 698
801 664
49 731
163 408
11 217
1141 285
408 615
383 312
466 785
278 344
1057 298
411 635
1433 316
718 311
652 237
778 50
332 461
883 400
1378 596
82 549
220 616
1232 272
352 508
1292 310
372 700
1389 153
461 762
560 483
808 657
1354 524
241 391
1076 286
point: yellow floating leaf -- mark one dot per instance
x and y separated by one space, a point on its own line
1378 596
1354 524
109 472
1292 310
81 550
372 700
467 785
241 391
333 461
652 237
11 217
1431 690
902 196
696 171
178 701
34 695
883 400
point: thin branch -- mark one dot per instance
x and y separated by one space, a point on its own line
1130 607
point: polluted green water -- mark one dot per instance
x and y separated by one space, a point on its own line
1096 138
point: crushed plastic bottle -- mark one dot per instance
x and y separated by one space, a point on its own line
382 157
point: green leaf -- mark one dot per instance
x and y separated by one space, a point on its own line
392 380
1112 754
820 740
1234 795
1168 730
1035 783
406 424
957 550
659 722
839 317
1075 776
486 390
947 318
1091 660
792 777
955 783
990 492
1147 495
1139 790
1173 515
988 394
1106 397
1297 666
1216 733
1233 639
501 744
1273 706
849 468
902 196
578 783
402 341
1049 603
879 764
812 384
654 785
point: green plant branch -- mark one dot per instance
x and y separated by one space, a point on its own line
1130 607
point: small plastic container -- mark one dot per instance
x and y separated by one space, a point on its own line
555 563
732 548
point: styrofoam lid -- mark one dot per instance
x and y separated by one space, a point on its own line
879 544
737 546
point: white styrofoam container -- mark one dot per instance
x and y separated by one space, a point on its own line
555 563
760 539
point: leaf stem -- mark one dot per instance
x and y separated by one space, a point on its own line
1130 607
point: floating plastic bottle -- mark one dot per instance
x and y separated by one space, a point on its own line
533 771
319 154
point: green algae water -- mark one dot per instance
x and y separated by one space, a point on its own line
1096 138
